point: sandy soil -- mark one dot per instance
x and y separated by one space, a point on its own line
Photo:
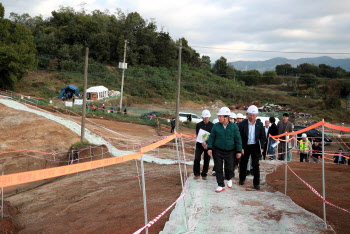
84 202
337 190
112 202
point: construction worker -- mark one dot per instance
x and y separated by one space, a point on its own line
201 147
342 132
224 141
305 148
233 117
240 118
253 139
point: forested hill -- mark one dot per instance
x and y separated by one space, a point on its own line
65 35
57 46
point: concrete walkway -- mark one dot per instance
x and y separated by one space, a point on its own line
240 209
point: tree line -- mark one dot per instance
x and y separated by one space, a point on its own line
58 43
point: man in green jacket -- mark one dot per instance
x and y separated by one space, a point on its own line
224 141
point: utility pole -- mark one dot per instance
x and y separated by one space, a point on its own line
178 90
121 89
84 96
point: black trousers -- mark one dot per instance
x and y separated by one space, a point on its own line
304 156
197 161
255 153
219 158
265 151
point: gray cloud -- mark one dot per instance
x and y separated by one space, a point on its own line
294 25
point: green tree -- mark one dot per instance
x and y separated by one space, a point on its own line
189 55
332 94
231 72
309 79
165 50
307 68
205 62
285 70
220 67
251 77
268 77
17 51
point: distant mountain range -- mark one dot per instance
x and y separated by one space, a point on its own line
269 65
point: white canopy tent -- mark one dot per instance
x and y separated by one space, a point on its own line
97 92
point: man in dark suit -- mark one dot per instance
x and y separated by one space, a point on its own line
284 126
339 158
273 131
253 139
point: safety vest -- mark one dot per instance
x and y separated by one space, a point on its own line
304 147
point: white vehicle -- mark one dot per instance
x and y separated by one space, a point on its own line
263 119
186 116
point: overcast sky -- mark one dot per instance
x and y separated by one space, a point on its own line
293 25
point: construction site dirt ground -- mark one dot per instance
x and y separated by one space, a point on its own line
111 202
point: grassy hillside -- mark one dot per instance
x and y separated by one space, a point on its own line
146 84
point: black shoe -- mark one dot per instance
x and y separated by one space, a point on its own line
204 178
257 187
241 182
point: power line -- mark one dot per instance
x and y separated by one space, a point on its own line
270 51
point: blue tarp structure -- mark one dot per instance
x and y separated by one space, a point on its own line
69 89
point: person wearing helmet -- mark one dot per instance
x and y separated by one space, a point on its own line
233 117
206 125
253 139
305 148
224 141
240 118
215 121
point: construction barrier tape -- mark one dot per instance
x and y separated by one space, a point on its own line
314 190
31 176
335 127
159 216
344 143
301 131
157 144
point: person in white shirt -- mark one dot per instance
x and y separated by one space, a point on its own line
267 127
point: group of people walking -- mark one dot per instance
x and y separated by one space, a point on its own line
237 141
231 140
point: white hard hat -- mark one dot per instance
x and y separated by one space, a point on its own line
215 121
224 111
303 135
240 116
252 110
206 114
233 115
